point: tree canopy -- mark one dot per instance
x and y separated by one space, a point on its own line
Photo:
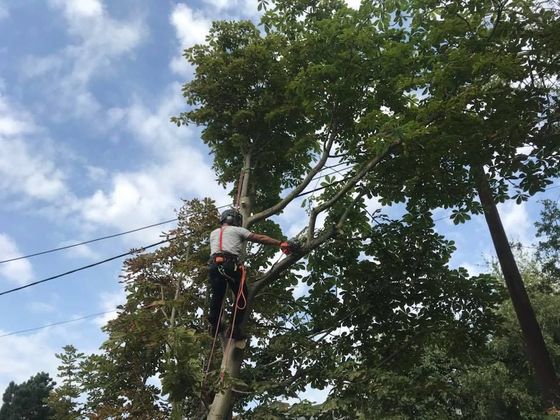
420 101
27 401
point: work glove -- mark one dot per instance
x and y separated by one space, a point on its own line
285 248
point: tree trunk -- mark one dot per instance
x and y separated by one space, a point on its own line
231 365
536 347
232 359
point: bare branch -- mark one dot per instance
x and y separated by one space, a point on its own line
162 308
293 194
245 204
345 189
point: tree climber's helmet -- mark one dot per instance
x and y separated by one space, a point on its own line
231 217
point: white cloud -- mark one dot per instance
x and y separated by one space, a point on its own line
109 302
516 221
4 12
23 170
373 204
176 170
302 289
23 167
234 8
79 9
355 4
99 41
124 199
40 307
148 196
24 356
474 269
10 126
95 173
29 166
311 394
191 27
82 251
20 271
14 121
525 150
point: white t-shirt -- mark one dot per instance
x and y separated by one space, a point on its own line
233 240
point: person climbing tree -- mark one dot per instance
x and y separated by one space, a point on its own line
227 253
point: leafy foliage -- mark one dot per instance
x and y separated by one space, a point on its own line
26 401
245 102
484 89
63 399
157 331
410 95
549 228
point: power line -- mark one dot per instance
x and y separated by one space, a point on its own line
25 286
322 188
80 268
87 242
114 310
333 166
145 247
336 171
56 323
102 238
5 292
95 240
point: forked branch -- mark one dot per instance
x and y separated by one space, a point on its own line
350 184
278 207
280 267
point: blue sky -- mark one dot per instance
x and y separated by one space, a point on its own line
86 91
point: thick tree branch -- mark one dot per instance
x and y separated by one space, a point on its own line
245 203
351 183
290 260
293 194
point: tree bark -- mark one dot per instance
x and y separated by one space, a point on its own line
231 364
221 407
536 347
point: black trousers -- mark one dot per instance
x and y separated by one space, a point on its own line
218 284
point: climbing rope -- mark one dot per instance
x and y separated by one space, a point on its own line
214 341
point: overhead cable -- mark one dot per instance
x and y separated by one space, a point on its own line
94 240
87 242
5 292
149 246
56 323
